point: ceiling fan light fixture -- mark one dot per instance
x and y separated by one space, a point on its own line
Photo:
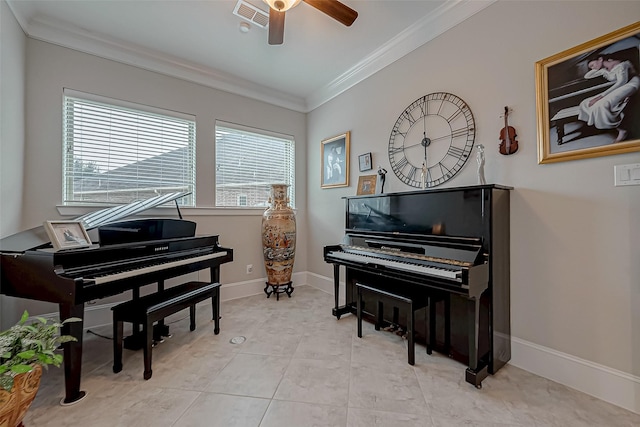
282 5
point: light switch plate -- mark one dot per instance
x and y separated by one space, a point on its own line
626 174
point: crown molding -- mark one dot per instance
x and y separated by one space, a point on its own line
58 33
445 17
450 14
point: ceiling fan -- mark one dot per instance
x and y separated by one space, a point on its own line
277 8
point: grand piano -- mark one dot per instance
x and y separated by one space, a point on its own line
449 243
126 255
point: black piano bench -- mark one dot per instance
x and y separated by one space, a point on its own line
151 308
410 303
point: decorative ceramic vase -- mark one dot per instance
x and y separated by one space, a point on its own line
14 404
279 237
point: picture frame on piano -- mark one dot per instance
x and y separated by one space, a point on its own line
334 158
588 98
67 234
367 184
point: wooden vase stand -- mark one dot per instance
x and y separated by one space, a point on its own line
284 288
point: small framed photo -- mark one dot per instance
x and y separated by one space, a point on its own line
334 159
364 160
367 184
67 234
587 100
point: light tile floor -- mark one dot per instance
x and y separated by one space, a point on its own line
299 366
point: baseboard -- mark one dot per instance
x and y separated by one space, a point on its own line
608 384
97 315
325 284
611 385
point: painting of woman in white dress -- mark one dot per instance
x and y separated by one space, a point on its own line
606 110
588 98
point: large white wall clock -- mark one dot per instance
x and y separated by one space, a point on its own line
432 140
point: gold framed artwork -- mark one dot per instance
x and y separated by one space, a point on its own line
334 161
588 98
367 184
67 234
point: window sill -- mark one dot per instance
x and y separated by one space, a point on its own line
78 210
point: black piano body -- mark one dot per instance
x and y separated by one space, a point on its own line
443 242
141 252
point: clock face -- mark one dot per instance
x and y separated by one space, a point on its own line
432 140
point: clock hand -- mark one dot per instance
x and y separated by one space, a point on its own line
413 145
429 141
425 142
441 137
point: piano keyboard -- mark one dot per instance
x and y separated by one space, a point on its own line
151 268
399 265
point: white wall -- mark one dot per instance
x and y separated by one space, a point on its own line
51 68
12 125
575 238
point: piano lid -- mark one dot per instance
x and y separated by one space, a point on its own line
36 237
105 216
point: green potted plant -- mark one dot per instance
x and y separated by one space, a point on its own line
24 350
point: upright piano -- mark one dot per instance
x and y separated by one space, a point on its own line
126 255
452 243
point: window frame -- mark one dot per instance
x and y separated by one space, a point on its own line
289 139
69 95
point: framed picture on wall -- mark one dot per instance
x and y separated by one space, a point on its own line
588 100
67 234
367 184
364 162
334 158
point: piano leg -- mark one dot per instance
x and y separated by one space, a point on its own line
135 340
336 288
72 353
160 330
338 311
473 374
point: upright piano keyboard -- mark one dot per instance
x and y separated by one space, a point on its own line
453 242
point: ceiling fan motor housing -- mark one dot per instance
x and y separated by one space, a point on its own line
282 5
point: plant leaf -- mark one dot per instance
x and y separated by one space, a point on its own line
26 354
21 369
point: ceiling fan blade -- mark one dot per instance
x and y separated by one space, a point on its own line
338 11
276 26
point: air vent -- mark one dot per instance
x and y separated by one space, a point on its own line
251 13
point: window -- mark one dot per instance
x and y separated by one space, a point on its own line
248 161
116 152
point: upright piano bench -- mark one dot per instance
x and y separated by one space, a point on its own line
151 308
412 304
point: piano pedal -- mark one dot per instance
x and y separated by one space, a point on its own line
397 329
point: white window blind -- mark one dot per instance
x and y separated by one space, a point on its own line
119 152
248 161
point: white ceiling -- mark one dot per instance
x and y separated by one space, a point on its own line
201 41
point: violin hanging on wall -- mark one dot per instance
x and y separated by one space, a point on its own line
508 143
